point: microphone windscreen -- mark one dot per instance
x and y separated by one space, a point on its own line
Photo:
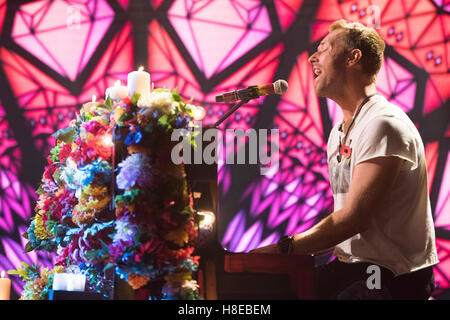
280 86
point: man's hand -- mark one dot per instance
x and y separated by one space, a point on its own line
273 248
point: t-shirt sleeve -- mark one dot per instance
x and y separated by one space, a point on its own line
386 137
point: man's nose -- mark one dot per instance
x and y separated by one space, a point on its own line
313 58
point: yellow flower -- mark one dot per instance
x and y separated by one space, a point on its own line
92 201
118 112
95 190
178 236
44 274
82 216
97 204
33 289
58 269
39 229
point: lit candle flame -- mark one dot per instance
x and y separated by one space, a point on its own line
208 219
141 68
2 275
117 83
107 140
94 98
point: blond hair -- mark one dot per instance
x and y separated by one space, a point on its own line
365 39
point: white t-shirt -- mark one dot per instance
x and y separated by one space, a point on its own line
401 235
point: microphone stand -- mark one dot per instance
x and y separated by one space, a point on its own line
235 107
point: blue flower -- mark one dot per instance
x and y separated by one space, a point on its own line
178 121
130 138
138 137
133 137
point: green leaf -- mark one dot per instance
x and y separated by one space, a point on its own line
51 226
108 266
135 98
163 120
67 135
55 153
25 235
109 103
27 272
57 175
91 254
88 116
124 117
40 190
176 96
28 247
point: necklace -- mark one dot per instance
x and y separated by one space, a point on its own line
366 99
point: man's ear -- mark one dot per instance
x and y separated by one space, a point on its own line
353 57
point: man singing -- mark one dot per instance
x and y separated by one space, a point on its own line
382 215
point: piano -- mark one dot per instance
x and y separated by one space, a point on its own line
225 275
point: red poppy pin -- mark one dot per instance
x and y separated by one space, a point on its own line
346 151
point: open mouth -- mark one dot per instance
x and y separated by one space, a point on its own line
317 72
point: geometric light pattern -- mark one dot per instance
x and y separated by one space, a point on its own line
16 197
287 11
217 33
397 84
443 203
62 34
54 55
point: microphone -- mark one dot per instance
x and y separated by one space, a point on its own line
253 92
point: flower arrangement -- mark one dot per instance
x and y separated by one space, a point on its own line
143 224
38 281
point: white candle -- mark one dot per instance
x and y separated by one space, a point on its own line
5 287
139 82
117 92
88 105
76 282
60 281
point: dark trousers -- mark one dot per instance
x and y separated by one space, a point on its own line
338 280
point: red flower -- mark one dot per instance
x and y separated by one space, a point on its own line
126 100
65 151
346 151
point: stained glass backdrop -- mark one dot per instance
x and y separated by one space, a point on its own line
54 55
